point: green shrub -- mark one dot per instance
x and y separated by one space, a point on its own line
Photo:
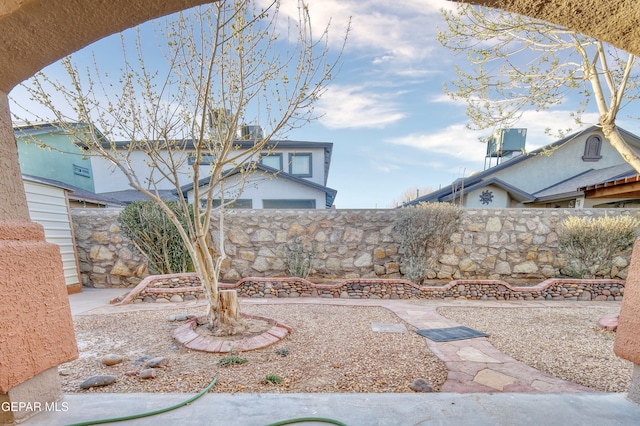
589 244
299 258
273 379
155 236
231 360
424 231
283 352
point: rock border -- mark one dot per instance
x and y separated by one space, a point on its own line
185 287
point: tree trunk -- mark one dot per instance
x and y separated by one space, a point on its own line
229 308
629 155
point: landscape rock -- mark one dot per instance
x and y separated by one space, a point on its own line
65 371
148 373
157 362
97 381
421 385
112 359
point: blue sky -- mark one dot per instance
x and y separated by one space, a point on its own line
392 127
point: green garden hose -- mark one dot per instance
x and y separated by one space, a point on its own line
308 419
149 413
193 398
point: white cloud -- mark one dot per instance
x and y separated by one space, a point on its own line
463 144
353 107
455 141
400 31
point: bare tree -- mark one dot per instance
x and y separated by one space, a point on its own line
223 69
411 194
520 62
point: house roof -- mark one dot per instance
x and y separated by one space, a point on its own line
516 193
42 127
620 187
75 193
446 193
129 196
571 187
330 193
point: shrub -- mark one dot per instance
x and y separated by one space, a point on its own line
589 245
283 352
273 379
155 236
299 258
231 360
424 231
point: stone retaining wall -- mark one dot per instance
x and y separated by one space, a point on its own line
492 244
183 287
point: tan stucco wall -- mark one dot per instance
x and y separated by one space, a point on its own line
36 332
614 21
627 343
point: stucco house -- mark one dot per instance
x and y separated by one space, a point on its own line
48 153
561 174
288 174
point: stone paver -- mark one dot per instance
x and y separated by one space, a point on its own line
474 364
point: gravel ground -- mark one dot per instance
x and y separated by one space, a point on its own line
564 342
331 349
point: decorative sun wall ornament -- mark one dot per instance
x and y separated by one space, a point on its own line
486 197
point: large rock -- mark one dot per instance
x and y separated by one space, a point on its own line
363 261
97 381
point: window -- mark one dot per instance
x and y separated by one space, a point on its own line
289 204
271 160
207 160
240 203
300 165
81 171
592 148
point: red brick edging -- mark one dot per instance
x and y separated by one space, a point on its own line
187 335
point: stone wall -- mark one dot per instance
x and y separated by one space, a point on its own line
494 244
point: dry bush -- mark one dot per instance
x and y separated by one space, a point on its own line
589 244
425 230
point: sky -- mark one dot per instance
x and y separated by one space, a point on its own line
392 126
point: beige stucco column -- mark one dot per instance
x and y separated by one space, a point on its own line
36 332
627 343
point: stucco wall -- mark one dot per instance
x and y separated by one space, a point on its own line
39 336
506 244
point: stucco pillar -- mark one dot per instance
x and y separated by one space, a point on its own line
627 343
36 330
14 203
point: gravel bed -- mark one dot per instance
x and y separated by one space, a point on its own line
564 342
331 349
